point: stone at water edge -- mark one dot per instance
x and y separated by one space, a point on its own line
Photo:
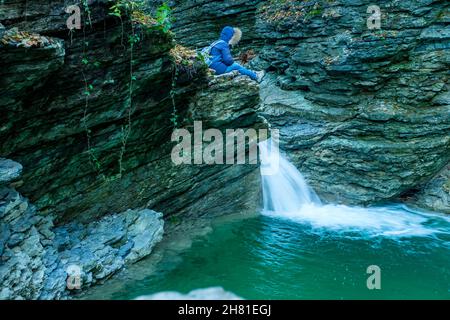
212 293
9 170
35 255
435 195
146 231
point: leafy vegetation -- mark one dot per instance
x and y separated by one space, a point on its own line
136 10
164 17
134 13
188 63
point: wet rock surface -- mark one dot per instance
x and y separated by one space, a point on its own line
68 121
435 195
9 171
363 112
38 259
197 23
367 118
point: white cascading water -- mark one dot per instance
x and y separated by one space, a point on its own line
284 188
287 195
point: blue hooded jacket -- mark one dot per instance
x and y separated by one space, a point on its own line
220 53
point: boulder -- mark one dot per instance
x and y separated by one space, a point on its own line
9 171
435 195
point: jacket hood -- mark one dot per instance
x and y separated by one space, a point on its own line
236 37
226 34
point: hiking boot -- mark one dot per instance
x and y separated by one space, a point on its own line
260 75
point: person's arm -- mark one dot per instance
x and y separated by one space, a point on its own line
226 55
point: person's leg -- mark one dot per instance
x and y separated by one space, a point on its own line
242 70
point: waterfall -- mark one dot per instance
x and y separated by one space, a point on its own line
284 188
287 195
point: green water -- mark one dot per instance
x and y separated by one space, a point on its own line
267 257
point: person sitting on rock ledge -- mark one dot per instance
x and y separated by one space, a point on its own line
220 58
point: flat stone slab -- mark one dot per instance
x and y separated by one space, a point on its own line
9 170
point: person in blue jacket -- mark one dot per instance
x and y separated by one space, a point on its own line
221 59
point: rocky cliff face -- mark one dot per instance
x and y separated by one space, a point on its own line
89 118
198 22
364 113
39 261
435 194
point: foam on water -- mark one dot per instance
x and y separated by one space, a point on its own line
287 195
